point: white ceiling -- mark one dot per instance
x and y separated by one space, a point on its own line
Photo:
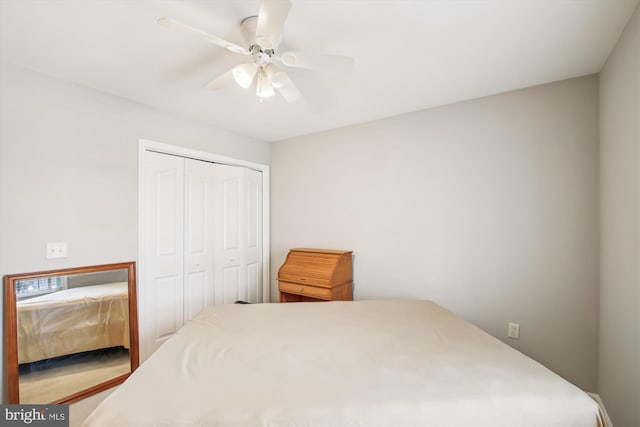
409 55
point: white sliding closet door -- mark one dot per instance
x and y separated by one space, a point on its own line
202 241
163 296
238 250
199 237
253 238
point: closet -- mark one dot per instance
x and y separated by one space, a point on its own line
202 237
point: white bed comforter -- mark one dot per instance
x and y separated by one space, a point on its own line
362 363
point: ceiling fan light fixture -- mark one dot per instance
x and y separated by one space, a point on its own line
244 74
264 88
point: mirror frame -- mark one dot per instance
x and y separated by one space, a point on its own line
11 328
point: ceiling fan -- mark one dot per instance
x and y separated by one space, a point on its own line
262 35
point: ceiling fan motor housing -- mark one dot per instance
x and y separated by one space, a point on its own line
260 55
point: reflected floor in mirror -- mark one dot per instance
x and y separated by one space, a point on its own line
53 379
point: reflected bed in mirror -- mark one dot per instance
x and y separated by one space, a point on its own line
70 333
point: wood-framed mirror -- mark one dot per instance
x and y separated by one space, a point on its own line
70 333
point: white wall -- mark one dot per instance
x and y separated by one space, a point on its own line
489 207
619 372
68 169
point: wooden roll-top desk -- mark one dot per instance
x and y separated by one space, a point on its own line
309 275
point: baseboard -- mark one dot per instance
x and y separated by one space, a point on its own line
603 410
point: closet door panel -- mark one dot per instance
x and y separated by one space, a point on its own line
163 285
231 285
254 274
166 317
229 223
231 209
195 294
239 221
253 235
199 236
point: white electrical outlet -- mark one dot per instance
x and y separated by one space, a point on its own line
513 330
56 250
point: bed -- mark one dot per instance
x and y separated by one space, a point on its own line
360 363
73 321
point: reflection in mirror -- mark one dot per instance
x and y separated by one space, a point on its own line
71 332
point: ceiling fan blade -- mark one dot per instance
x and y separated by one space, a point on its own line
283 83
271 18
321 62
289 92
224 79
173 24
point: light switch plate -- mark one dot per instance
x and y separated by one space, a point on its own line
513 330
56 250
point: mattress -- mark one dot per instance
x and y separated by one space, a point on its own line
364 363
72 321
